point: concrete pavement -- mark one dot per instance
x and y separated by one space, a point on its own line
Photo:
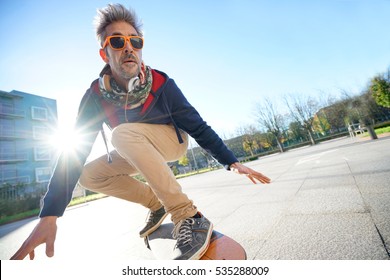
330 201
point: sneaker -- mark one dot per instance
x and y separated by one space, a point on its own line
193 238
155 219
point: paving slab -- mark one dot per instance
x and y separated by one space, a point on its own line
323 237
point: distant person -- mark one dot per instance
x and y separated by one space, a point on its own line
150 120
351 132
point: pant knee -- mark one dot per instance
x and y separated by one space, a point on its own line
129 131
86 176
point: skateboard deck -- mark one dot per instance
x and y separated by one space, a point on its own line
221 247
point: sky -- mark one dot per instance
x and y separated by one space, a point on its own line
226 56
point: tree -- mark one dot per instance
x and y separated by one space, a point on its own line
364 110
296 132
380 89
249 144
249 138
337 115
184 161
267 140
320 123
303 109
332 115
271 120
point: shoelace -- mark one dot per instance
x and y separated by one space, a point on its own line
150 217
183 231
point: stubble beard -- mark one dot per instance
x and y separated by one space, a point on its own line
126 75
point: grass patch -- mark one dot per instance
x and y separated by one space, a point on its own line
204 170
382 130
84 199
378 131
19 216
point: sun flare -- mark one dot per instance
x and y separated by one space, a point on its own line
65 140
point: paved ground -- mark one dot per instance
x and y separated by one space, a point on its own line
329 201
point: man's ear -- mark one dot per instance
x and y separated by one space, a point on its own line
103 55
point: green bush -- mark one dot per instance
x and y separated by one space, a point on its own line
382 125
11 207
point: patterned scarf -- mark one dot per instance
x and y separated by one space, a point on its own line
139 88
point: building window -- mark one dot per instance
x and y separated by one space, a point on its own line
7 150
42 174
7 171
41 132
39 113
7 128
42 153
6 107
9 174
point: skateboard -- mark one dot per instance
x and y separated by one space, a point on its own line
221 247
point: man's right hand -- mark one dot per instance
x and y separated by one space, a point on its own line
44 232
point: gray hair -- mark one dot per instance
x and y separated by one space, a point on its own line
113 13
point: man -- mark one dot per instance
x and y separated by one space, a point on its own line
150 120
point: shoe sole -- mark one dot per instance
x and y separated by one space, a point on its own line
156 226
204 248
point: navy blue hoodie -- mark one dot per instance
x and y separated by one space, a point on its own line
166 104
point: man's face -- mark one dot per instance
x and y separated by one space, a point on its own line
126 63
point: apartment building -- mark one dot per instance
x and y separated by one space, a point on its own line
27 122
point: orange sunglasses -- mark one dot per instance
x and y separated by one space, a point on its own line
118 42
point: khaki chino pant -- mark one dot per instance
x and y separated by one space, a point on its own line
142 149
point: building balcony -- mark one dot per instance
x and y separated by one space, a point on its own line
13 157
11 112
7 134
